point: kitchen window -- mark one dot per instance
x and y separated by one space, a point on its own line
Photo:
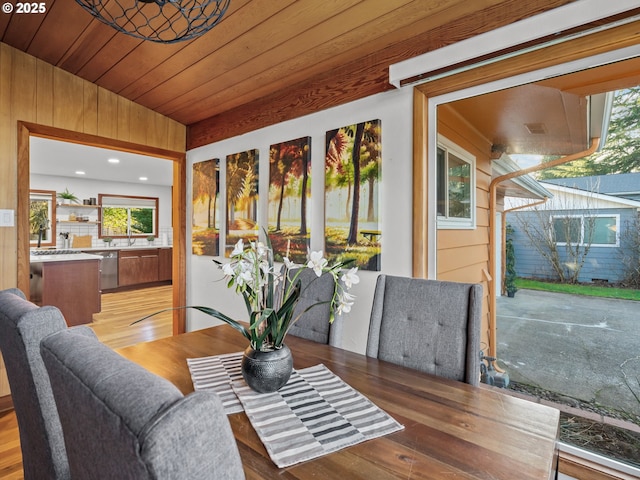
128 216
594 230
455 186
42 218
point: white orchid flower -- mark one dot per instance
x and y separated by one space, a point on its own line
350 278
261 249
317 262
265 268
228 270
288 263
238 249
245 277
345 302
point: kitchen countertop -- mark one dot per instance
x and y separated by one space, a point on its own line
123 247
79 253
64 257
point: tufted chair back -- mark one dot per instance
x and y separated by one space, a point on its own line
428 325
122 421
22 326
314 324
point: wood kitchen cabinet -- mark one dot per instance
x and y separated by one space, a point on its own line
165 257
72 286
138 266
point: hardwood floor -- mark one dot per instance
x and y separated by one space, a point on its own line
119 310
112 326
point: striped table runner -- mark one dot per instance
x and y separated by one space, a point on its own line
216 373
314 414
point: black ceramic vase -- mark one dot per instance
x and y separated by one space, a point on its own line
267 371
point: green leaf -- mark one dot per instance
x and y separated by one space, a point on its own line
209 311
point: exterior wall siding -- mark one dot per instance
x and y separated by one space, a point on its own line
607 264
463 255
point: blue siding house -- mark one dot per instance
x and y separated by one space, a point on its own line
602 209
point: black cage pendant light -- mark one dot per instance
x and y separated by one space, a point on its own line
162 21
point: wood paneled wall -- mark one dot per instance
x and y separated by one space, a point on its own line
41 94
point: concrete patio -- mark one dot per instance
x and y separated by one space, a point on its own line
585 348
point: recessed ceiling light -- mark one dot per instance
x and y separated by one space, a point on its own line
113 160
144 179
79 172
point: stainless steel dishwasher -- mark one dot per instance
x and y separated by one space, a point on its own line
108 269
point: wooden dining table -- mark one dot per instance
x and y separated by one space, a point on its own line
451 430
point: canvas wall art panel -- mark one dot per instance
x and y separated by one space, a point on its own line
352 179
205 218
290 198
242 198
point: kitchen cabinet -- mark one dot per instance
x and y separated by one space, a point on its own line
138 266
71 285
165 256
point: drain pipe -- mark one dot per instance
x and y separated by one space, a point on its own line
493 187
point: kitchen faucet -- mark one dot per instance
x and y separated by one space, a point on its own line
130 239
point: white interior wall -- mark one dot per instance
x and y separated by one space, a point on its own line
394 109
87 188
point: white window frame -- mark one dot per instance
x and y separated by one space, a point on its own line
582 222
445 222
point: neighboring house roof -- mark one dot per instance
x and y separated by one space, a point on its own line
524 186
626 185
568 198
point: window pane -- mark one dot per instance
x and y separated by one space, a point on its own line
39 220
459 187
114 221
42 221
141 220
441 182
126 216
604 230
567 229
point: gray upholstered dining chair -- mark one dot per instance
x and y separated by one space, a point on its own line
122 421
314 323
22 326
429 325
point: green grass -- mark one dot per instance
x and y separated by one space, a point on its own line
588 290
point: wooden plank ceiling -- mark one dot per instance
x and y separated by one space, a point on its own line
266 61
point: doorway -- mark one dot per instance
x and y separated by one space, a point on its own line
587 76
178 198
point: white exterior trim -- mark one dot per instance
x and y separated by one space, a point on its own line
447 223
599 200
600 459
548 23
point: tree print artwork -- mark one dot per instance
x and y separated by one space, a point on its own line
352 178
289 198
205 227
242 198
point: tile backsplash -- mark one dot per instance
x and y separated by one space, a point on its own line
164 238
